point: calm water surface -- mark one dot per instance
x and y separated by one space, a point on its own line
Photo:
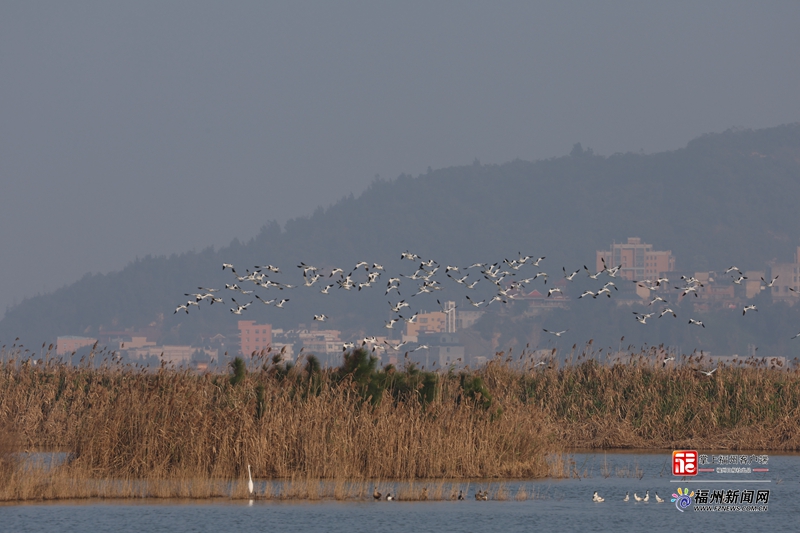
561 506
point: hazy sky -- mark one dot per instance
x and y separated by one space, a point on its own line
135 128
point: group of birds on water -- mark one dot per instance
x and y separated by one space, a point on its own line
480 495
644 499
507 278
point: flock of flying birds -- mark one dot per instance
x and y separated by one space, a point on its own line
508 280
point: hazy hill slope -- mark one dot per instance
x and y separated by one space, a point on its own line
726 198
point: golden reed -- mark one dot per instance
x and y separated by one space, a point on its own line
135 432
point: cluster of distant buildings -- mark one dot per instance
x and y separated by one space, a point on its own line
639 262
138 348
439 330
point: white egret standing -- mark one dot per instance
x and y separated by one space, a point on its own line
250 481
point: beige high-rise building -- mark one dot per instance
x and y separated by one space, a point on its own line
70 343
435 322
254 337
638 260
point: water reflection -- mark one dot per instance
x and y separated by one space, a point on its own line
548 505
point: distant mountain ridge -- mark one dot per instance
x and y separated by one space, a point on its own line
726 198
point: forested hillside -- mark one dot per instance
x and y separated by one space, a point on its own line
727 198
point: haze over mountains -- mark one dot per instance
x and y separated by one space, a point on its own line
727 198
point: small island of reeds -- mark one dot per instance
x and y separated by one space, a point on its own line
128 431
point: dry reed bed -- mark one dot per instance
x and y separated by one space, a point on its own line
646 405
44 484
169 426
172 433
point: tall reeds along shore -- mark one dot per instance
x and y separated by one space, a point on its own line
128 431
647 404
134 425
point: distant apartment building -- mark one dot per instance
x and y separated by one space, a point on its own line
638 260
72 343
443 348
787 285
440 322
254 337
136 342
465 319
435 322
327 341
111 337
177 355
538 302
711 288
752 285
283 344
